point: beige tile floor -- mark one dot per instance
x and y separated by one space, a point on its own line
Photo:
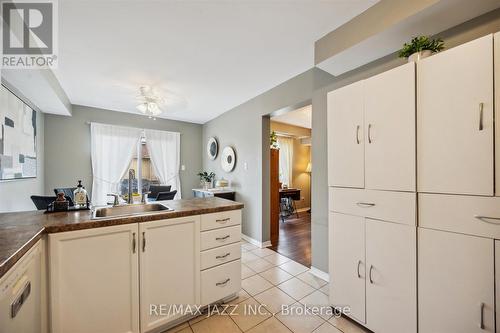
270 280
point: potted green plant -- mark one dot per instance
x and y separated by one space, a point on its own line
421 47
206 179
273 140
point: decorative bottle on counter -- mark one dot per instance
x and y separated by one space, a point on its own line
80 196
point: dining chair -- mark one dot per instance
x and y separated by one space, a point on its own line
166 195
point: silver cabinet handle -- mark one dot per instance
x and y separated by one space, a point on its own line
143 241
223 220
223 283
223 256
486 218
222 238
370 274
481 106
365 204
369 133
359 263
481 315
357 135
133 242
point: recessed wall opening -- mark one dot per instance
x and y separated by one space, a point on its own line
290 182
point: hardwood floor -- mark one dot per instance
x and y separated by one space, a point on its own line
295 239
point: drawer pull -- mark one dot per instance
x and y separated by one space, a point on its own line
357 134
133 242
223 256
365 204
359 263
481 315
223 220
223 283
370 275
486 218
222 238
481 106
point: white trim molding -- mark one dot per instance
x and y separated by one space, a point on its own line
256 242
319 273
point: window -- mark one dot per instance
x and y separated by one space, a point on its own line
286 159
145 174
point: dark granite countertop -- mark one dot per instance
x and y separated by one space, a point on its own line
20 231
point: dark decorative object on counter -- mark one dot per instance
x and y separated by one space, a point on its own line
61 204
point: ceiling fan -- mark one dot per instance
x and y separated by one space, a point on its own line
150 102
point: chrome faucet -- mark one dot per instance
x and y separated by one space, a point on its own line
131 177
115 199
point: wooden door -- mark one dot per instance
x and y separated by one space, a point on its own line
391 282
455 283
170 267
390 130
275 195
94 280
347 263
455 120
345 136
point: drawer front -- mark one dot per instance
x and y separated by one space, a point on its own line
399 207
472 215
220 282
220 237
220 220
220 255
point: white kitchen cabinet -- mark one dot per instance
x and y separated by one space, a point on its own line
94 280
455 283
371 132
391 287
389 104
497 283
169 268
345 136
347 263
455 120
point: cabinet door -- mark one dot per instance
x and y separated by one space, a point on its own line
94 280
345 136
170 268
391 282
347 263
456 283
497 111
455 120
390 130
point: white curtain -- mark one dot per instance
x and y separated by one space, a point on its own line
112 148
164 150
286 159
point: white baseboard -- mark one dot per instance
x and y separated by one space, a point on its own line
256 242
319 273
305 209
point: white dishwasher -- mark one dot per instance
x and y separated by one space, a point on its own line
20 295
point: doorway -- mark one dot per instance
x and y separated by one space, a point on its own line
290 183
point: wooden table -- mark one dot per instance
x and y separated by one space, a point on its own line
287 202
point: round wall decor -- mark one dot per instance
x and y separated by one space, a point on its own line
212 148
228 159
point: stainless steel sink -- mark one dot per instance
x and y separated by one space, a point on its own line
128 210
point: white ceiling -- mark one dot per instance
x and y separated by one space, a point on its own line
205 56
301 117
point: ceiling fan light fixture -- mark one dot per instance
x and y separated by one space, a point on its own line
150 102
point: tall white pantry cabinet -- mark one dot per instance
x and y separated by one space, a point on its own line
419 138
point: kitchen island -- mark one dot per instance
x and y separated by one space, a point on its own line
186 256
